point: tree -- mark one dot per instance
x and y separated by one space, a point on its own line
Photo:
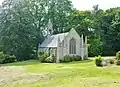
108 36
95 48
88 23
23 24
59 12
81 21
114 32
16 35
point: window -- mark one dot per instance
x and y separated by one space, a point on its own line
72 46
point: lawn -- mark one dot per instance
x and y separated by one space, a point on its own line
75 74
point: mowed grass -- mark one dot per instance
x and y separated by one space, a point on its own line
74 74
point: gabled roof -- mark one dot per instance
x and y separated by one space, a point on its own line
52 41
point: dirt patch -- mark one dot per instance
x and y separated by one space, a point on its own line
9 74
18 74
35 77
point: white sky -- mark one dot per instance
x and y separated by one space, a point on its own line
88 4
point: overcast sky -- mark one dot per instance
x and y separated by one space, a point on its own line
88 4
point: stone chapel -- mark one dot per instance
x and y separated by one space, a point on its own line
60 45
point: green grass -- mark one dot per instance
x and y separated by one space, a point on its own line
22 63
75 74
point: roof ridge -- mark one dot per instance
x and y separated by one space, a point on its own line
61 33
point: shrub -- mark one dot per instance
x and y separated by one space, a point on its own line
111 61
66 59
85 57
96 47
77 58
118 62
98 61
118 55
9 59
5 58
43 57
2 57
41 53
50 59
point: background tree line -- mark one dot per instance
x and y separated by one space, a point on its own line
23 26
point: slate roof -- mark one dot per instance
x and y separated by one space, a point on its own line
52 41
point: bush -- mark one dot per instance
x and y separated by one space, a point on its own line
43 57
117 58
118 55
96 47
77 58
9 59
85 57
66 59
118 62
2 57
5 58
111 61
50 59
98 61
41 53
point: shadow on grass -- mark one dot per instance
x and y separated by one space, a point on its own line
83 61
22 63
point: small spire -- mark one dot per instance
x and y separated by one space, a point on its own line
50 27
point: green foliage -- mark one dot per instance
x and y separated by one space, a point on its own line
95 48
50 59
9 59
118 55
98 61
76 58
66 59
85 57
110 27
43 57
111 61
89 25
24 26
81 21
41 53
118 62
118 58
2 57
5 58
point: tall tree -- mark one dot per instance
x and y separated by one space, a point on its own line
114 32
23 24
107 21
58 12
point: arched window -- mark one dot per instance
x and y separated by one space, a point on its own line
72 46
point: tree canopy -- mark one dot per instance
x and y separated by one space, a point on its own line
23 26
